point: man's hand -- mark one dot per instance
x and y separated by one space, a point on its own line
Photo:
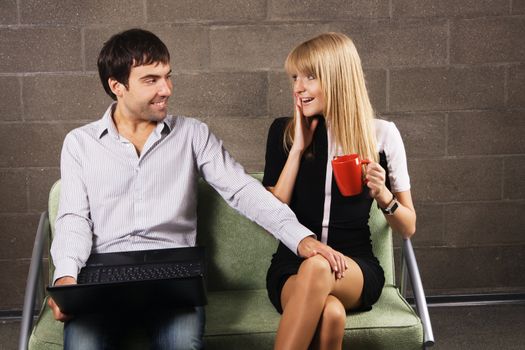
59 316
309 247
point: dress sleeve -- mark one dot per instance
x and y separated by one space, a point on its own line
276 155
396 160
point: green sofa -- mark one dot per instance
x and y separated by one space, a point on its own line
239 314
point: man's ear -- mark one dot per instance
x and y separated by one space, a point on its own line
116 87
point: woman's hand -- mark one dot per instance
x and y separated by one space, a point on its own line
375 180
304 128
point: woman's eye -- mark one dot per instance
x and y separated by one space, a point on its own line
294 77
311 77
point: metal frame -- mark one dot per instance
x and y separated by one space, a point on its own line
409 264
34 286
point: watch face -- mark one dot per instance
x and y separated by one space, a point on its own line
393 209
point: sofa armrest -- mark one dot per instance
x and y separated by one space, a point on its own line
34 285
409 263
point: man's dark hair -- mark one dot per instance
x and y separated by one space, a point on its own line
131 48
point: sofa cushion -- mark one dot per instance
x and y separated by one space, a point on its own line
391 321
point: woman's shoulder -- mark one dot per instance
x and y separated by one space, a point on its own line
278 125
387 134
281 122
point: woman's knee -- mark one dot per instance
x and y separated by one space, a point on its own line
316 269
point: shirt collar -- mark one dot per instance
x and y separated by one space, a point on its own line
107 126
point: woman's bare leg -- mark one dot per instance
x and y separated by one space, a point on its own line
304 297
331 327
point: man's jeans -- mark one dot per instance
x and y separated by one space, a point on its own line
180 329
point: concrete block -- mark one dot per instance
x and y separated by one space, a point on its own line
9 333
202 10
81 12
244 138
326 10
386 43
13 287
513 184
8 12
423 134
491 223
490 132
376 85
280 94
257 47
43 150
516 86
430 226
449 8
484 40
518 7
232 94
461 270
446 88
11 104
188 45
64 97
39 183
13 192
17 233
40 49
445 180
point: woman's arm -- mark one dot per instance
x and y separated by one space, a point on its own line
403 219
304 131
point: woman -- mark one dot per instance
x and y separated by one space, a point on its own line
333 116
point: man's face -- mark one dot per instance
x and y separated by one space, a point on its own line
146 97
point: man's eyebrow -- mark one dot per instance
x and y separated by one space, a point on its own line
155 76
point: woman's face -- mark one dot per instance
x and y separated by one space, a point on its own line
308 89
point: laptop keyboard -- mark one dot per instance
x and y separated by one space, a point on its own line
104 274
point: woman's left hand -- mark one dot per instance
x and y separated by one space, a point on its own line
375 176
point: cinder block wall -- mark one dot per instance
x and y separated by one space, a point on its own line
450 73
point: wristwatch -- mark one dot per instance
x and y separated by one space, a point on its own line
391 207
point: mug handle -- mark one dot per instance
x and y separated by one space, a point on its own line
364 162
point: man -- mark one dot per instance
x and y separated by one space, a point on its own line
129 183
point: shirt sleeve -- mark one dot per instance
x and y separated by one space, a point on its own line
244 193
73 238
276 156
396 160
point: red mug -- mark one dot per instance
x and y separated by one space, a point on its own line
348 173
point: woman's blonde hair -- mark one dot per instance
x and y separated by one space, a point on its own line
333 59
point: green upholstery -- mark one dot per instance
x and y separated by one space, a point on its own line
239 314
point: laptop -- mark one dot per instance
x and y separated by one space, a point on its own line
130 281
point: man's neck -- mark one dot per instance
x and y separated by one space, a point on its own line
134 129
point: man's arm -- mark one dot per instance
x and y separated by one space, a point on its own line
72 242
249 197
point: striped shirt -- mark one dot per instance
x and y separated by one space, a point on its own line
112 199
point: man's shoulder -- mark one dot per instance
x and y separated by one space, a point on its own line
89 130
189 124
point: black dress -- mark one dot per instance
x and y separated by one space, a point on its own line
345 218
